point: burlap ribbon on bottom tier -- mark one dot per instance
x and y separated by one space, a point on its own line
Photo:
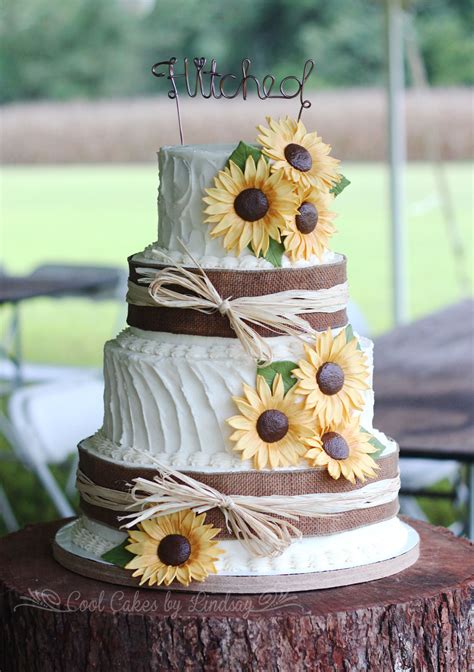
264 524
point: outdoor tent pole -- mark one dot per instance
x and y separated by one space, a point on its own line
397 142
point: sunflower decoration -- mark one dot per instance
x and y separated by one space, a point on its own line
272 426
343 449
303 156
250 206
308 232
333 377
177 547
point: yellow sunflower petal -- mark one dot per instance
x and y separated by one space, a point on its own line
146 563
238 233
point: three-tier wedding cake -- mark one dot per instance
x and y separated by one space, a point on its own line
237 451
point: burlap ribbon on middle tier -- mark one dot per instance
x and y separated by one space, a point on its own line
237 284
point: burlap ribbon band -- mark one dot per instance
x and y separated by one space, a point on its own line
235 283
286 483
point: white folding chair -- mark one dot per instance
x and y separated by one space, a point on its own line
48 420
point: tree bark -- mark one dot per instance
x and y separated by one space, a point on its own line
55 621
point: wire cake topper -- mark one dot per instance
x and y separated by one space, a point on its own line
215 86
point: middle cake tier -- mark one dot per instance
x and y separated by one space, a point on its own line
170 395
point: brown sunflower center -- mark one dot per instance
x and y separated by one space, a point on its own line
335 446
251 204
174 549
330 378
272 426
307 218
298 157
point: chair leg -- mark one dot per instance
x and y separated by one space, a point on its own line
54 491
6 512
41 470
71 479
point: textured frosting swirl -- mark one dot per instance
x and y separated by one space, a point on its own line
185 171
170 395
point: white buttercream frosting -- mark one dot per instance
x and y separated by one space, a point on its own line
170 395
245 262
362 546
202 461
95 538
185 172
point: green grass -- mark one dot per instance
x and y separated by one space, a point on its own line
100 214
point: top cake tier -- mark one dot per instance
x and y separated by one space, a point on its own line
190 173
185 172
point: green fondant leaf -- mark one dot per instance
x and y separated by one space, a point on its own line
340 186
375 443
241 152
119 555
274 254
284 368
350 335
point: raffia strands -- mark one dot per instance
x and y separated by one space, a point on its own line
178 287
261 524
98 495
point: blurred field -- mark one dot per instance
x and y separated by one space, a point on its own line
121 131
100 214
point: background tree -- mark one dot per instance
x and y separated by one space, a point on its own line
64 50
85 48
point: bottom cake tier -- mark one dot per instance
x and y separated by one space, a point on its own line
235 531
354 556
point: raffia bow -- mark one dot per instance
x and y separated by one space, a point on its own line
259 523
280 312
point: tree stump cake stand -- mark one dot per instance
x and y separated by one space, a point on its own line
53 620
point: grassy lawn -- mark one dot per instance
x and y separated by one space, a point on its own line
100 214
